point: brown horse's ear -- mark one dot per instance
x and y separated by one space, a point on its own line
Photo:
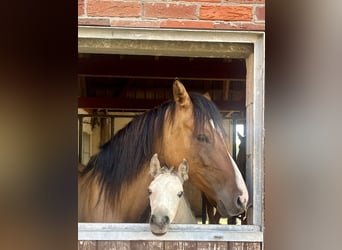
207 95
183 170
240 136
180 95
155 166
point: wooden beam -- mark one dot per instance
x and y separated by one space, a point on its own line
167 67
144 104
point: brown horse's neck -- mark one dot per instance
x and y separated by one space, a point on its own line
134 201
132 205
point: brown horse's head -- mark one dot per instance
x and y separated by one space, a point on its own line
196 133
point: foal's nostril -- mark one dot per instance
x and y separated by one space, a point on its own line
166 219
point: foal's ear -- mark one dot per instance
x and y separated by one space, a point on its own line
154 165
240 136
183 170
180 95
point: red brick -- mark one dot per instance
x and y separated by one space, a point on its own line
93 21
164 10
245 1
187 24
114 9
239 26
208 1
135 23
80 7
260 13
227 13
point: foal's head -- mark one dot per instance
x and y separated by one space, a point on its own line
165 192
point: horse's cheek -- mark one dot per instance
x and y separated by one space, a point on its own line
204 155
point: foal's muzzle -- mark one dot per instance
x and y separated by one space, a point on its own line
159 224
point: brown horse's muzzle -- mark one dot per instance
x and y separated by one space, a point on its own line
232 206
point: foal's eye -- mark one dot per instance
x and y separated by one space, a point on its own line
202 138
149 191
180 193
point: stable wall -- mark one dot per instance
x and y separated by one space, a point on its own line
246 15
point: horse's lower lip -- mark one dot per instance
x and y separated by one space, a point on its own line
222 209
224 212
158 233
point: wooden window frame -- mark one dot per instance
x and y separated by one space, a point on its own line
193 43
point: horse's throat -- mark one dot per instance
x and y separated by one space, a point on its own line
184 214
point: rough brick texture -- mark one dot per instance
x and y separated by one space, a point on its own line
187 14
80 7
165 10
229 13
260 13
114 8
207 1
245 1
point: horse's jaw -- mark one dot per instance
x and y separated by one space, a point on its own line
231 209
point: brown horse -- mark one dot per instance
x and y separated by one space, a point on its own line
189 126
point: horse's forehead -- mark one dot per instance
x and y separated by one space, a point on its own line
167 180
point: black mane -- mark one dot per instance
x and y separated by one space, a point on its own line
120 160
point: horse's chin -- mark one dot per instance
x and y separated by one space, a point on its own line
156 230
159 233
223 210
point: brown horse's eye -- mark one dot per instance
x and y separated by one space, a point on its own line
202 138
180 193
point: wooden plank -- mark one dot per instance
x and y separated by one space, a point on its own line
202 245
177 232
166 67
87 245
147 245
167 245
143 104
244 246
180 245
113 245
252 245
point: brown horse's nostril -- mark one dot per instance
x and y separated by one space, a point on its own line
241 202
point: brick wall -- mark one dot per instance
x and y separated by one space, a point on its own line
193 14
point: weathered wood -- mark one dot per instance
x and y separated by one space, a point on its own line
143 104
148 245
87 245
244 246
211 245
177 232
167 245
252 245
132 66
180 245
113 245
